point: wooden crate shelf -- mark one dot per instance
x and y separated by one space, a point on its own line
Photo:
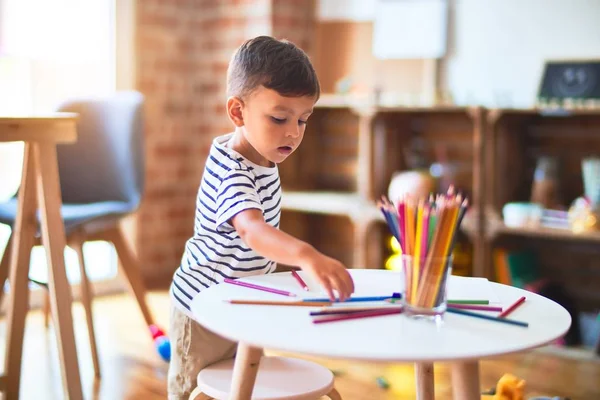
548 233
352 148
514 141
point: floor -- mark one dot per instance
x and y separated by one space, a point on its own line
131 368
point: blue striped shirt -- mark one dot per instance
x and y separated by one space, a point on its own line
230 184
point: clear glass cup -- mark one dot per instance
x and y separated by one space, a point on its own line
425 286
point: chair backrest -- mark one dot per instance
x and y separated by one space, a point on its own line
107 161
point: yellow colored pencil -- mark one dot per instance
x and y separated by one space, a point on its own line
417 253
410 226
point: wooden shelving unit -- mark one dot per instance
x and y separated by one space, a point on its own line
548 233
350 151
514 141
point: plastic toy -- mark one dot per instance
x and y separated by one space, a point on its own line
382 382
161 342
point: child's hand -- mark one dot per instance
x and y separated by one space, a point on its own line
330 273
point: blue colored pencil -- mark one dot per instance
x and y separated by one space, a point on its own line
367 298
488 317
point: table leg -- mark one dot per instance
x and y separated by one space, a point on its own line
465 380
245 369
22 242
53 238
424 379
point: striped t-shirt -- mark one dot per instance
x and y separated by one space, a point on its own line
230 184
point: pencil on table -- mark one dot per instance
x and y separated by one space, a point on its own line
461 301
512 307
258 287
474 307
280 303
362 314
488 317
300 280
349 310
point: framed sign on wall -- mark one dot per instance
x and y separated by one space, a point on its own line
570 80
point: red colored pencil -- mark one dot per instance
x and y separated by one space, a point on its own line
512 307
300 281
360 314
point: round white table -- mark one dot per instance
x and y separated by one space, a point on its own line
460 340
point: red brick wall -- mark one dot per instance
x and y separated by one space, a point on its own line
294 20
182 51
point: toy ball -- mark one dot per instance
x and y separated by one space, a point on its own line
163 346
156 331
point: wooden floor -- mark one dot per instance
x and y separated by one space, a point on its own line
132 369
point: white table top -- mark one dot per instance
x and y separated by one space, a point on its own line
394 338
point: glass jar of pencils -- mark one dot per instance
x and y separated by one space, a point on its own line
425 286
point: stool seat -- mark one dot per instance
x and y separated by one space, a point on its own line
278 378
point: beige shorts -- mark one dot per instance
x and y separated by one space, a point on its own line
193 347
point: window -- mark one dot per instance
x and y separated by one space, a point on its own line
52 50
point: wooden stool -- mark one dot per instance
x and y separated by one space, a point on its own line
278 378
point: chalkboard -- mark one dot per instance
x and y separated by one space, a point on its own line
571 80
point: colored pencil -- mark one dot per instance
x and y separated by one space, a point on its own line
349 310
418 258
428 231
364 314
280 303
458 301
259 287
488 317
366 298
475 307
451 302
300 280
512 307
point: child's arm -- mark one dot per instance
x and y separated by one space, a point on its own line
282 248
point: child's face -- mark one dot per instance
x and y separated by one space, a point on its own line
273 124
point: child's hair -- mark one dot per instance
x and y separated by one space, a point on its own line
275 64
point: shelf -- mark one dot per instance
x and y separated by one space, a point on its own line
544 112
366 102
341 101
548 233
332 203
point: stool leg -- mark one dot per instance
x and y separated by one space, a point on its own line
334 395
86 301
245 369
198 395
46 308
18 297
465 380
4 266
424 380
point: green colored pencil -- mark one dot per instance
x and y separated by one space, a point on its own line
485 302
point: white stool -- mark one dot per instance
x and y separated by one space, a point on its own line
278 378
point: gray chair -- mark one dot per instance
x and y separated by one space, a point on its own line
102 180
